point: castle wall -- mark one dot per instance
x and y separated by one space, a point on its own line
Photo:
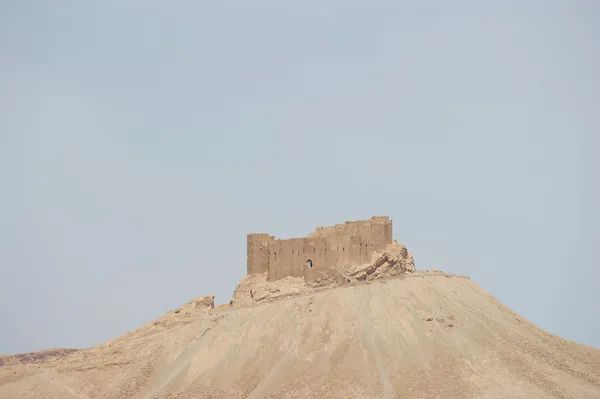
345 244
378 228
292 255
277 269
258 253
319 251
289 257
381 232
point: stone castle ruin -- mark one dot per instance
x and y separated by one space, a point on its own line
326 252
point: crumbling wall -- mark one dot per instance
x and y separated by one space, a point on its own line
377 231
393 261
350 243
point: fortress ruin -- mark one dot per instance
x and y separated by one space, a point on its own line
325 250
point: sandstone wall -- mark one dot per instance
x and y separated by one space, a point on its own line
351 243
286 258
258 253
377 231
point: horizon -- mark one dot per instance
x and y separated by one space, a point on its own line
141 143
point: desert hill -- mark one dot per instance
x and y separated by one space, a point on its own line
423 335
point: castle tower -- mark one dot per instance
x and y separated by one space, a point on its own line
381 231
258 253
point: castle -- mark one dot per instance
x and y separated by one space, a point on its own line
324 250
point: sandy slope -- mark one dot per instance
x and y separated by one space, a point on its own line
422 336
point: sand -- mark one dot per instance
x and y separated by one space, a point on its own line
425 335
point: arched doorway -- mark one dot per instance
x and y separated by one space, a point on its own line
309 263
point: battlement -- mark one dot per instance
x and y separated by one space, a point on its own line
381 218
352 242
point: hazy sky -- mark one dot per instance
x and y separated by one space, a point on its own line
140 141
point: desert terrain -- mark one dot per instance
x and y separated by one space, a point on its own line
422 335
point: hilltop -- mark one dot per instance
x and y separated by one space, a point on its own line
420 335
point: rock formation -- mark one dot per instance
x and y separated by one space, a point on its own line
417 335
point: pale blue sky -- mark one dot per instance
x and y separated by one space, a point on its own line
141 141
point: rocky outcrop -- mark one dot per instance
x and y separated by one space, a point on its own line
202 302
256 289
394 261
186 314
